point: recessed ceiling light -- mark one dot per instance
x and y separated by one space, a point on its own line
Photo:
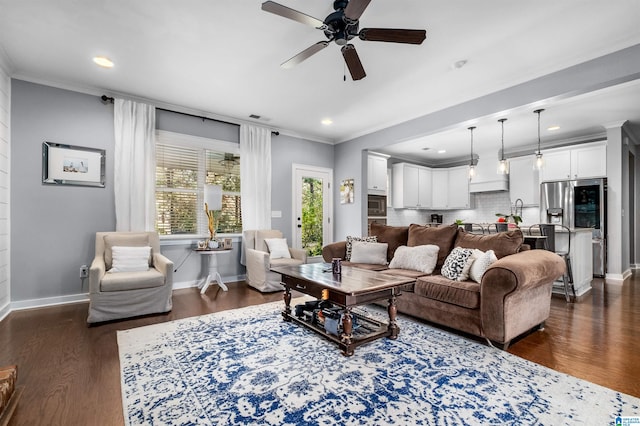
327 121
442 151
103 61
552 128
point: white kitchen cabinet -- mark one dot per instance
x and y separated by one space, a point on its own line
450 188
459 188
411 186
576 162
376 175
439 188
524 181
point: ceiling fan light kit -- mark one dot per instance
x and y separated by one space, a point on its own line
341 26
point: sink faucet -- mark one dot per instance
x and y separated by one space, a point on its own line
518 207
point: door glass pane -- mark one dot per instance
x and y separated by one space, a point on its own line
312 215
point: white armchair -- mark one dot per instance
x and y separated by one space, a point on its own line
258 261
128 294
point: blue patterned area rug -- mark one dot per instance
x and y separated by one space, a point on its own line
248 366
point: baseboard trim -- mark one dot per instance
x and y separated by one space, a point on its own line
49 301
617 278
6 310
84 297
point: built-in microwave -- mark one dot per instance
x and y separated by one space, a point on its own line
377 205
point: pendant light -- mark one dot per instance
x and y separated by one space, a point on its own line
539 163
503 165
472 167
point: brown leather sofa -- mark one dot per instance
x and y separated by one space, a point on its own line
513 296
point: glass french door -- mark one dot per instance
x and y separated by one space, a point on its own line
312 210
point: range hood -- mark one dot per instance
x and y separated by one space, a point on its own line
486 178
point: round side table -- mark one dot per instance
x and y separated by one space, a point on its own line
214 275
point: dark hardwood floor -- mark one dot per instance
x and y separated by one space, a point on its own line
71 372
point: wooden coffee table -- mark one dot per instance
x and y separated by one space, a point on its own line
352 287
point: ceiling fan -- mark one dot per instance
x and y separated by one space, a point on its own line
340 27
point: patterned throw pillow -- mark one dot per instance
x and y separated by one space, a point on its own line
464 275
481 264
350 241
455 261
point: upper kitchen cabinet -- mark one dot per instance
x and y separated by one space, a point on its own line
524 181
376 175
450 188
411 186
576 162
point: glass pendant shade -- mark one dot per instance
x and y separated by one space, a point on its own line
503 167
503 164
539 163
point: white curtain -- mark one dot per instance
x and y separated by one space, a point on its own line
134 166
255 178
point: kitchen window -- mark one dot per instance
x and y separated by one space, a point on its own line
184 164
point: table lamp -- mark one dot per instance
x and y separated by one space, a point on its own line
212 203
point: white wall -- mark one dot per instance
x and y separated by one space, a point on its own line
5 151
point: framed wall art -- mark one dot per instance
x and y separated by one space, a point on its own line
346 192
72 165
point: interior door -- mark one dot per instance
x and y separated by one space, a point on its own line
312 208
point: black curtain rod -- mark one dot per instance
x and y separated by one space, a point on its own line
110 100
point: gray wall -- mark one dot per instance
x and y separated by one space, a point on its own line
285 151
53 227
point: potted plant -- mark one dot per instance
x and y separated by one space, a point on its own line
510 218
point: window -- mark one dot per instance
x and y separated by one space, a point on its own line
184 164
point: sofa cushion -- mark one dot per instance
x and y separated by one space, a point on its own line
455 262
418 258
134 239
366 252
395 236
442 236
461 293
502 243
350 241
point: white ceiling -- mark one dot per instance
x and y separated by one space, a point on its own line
221 58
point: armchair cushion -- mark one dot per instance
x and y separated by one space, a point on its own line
131 280
130 259
278 248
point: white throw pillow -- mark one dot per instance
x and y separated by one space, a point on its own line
419 258
365 252
350 241
455 261
130 259
481 264
278 248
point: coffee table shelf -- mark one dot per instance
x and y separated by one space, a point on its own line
351 288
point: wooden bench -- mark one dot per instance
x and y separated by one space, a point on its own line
9 393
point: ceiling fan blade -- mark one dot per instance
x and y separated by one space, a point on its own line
287 12
393 35
355 9
352 60
305 54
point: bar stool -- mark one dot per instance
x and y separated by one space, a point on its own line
473 228
549 231
497 227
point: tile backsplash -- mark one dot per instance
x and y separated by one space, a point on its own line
486 205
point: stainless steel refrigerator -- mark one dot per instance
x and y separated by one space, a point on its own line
579 204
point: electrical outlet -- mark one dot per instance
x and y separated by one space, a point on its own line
84 271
